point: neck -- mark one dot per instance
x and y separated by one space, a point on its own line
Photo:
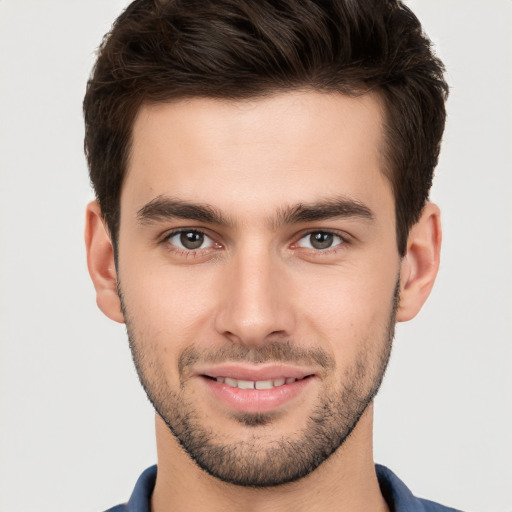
346 482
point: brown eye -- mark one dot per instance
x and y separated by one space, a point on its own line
190 240
320 240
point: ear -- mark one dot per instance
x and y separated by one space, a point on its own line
100 262
420 264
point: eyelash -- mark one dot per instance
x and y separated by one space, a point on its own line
344 241
191 253
188 253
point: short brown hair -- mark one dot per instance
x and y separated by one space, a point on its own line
236 49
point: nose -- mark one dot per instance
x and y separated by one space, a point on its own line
253 306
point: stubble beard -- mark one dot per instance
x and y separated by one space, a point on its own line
254 461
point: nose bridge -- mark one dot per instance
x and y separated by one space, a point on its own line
253 305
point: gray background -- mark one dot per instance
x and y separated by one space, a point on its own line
76 430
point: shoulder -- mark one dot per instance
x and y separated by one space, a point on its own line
400 498
430 506
141 495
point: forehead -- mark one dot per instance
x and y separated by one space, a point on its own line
255 156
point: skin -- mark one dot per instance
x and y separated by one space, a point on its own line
257 281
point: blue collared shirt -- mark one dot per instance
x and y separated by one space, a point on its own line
398 497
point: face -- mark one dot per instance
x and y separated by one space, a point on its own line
258 272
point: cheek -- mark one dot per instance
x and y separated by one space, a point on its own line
169 308
348 309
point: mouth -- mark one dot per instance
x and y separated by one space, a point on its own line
251 389
256 384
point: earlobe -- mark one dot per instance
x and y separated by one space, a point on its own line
421 262
100 262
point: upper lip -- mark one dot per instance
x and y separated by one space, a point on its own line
255 373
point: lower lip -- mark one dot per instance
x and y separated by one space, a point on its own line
257 400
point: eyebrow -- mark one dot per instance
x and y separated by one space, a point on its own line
331 208
164 208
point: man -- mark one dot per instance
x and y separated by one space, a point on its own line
262 171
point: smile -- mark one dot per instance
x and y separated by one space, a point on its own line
250 390
255 384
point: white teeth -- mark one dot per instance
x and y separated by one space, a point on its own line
246 384
251 384
263 384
